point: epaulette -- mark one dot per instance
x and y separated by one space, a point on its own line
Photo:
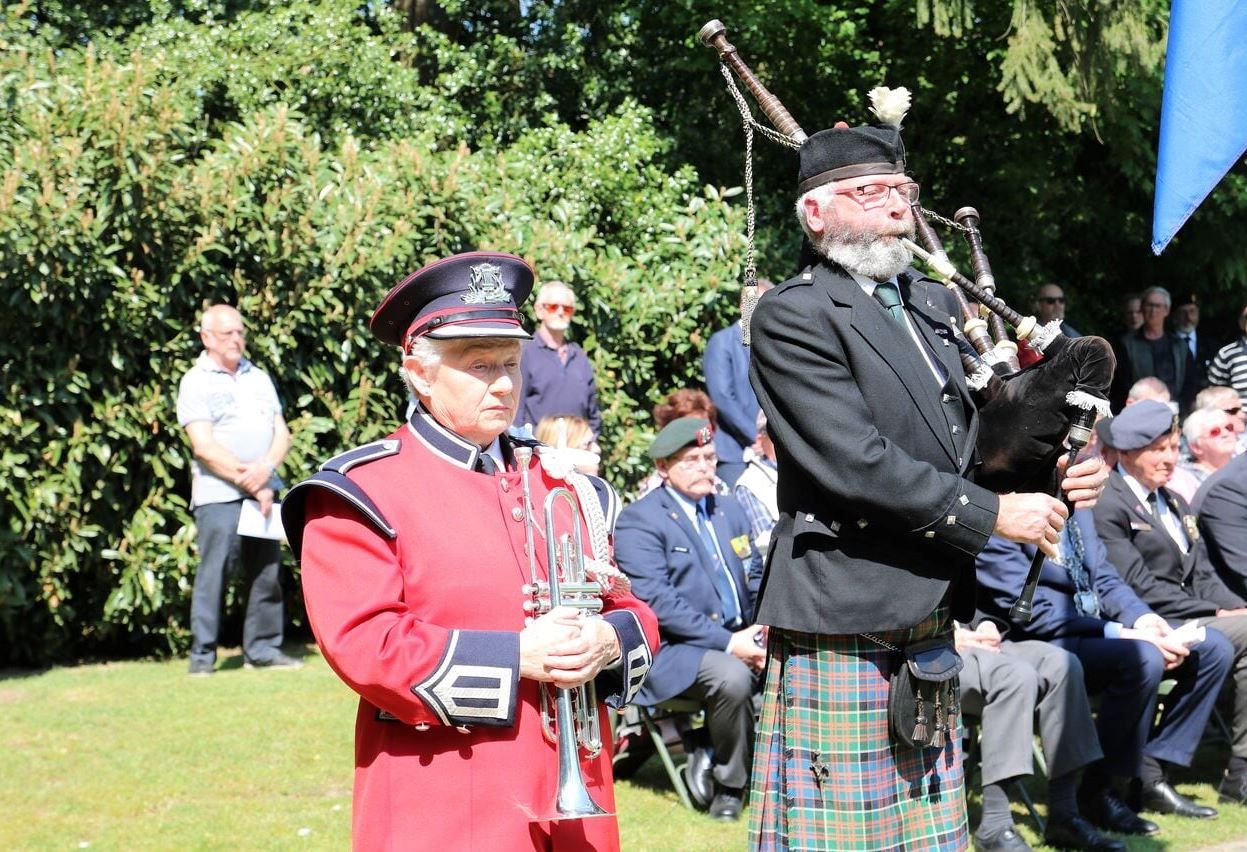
332 477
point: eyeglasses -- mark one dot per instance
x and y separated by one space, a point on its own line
872 195
1052 300
1154 306
233 332
566 310
692 462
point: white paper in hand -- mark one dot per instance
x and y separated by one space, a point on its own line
252 523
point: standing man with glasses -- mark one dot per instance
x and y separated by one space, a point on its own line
239 438
557 375
1154 351
690 557
860 376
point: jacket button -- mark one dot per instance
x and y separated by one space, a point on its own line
517 513
861 523
714 616
809 518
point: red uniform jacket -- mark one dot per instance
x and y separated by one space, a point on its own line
412 566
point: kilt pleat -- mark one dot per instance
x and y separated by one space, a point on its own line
826 774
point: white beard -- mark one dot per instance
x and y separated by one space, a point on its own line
875 256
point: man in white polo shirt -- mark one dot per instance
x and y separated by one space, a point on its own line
232 415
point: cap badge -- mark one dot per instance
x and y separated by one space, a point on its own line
486 285
705 435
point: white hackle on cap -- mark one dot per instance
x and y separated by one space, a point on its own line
889 105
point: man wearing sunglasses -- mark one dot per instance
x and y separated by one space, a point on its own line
1050 305
557 375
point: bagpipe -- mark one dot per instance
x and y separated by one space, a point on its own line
1029 417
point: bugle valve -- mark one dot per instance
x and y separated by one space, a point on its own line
576 723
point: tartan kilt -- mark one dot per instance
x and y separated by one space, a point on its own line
826 774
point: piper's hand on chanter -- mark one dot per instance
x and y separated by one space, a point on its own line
1032 519
1084 482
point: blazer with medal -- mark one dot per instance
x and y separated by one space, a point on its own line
879 519
657 546
1174 584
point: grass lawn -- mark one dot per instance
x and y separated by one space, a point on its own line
136 755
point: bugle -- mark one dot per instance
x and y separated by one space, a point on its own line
576 724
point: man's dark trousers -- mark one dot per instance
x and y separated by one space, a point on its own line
1125 673
221 549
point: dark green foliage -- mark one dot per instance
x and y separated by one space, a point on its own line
145 177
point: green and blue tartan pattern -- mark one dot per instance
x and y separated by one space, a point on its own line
826 774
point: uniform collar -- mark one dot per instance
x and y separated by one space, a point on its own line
445 444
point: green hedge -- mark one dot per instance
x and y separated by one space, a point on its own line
144 177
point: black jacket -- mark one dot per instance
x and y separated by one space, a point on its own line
1173 584
877 516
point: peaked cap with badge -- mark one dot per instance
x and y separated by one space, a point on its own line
476 294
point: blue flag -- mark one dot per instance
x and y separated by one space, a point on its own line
1203 119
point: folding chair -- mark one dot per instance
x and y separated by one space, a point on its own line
680 716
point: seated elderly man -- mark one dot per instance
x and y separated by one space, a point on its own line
429 597
688 553
1212 440
1082 605
1221 507
1008 686
1153 540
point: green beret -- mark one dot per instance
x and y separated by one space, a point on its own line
680 433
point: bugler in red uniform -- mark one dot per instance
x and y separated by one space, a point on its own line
413 563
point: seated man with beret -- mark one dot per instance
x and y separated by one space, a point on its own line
419 567
1083 606
1152 539
689 555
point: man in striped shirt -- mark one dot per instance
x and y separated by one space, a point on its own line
1229 366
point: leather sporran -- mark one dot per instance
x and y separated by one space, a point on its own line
922 693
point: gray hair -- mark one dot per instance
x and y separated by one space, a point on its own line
760 422
1215 396
823 195
428 351
1197 422
1160 291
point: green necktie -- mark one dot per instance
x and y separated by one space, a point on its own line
889 295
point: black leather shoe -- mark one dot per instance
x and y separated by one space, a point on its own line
1232 790
1077 833
1002 841
727 804
1163 799
1106 811
698 777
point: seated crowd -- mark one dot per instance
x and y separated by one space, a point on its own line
1138 627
